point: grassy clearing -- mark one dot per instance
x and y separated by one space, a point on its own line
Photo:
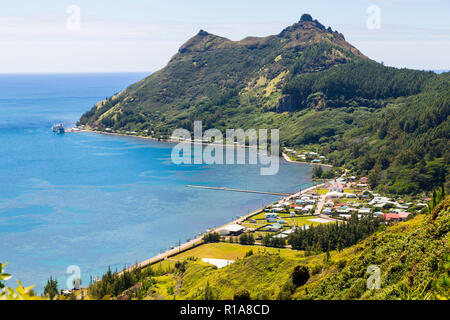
231 251
322 192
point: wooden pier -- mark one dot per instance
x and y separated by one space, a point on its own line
239 190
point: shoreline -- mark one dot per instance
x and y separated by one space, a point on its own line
283 155
198 240
172 141
286 157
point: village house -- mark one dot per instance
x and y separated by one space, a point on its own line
271 215
274 227
402 216
231 230
334 195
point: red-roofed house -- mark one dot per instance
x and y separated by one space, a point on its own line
402 216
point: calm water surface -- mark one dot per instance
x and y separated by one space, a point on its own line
94 200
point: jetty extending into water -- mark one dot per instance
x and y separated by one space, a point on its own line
239 190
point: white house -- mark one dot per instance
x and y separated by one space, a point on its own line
334 195
271 215
233 229
281 236
288 232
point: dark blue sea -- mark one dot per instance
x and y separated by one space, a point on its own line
94 200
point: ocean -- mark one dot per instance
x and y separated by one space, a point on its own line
95 201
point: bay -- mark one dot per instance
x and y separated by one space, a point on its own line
94 200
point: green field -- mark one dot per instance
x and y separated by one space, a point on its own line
230 251
297 221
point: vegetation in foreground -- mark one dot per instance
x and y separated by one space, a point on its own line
413 259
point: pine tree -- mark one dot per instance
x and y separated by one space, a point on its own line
51 288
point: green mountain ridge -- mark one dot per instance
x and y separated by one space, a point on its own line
309 82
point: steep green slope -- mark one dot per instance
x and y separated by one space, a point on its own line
212 76
309 83
413 259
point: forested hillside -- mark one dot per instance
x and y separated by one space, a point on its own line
307 81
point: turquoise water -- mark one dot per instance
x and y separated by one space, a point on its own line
94 200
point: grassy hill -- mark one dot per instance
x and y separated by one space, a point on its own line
312 85
413 259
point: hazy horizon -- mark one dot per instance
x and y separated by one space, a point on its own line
48 36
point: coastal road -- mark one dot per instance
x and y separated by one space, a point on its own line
199 239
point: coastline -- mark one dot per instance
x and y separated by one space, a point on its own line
286 157
198 240
283 155
170 141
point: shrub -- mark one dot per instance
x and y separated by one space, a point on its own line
316 269
242 295
341 264
211 237
300 275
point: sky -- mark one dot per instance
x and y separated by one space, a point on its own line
54 36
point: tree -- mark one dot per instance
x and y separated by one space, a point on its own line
327 257
374 176
208 293
300 275
246 239
212 237
317 172
51 288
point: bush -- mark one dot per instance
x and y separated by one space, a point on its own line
286 291
247 239
242 295
211 237
249 254
341 264
316 269
300 275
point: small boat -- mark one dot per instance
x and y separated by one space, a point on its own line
59 128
